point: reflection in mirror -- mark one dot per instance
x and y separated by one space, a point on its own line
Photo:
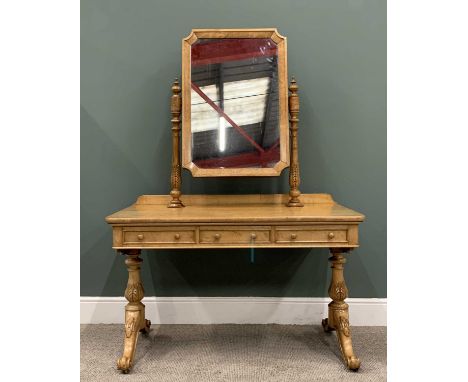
234 103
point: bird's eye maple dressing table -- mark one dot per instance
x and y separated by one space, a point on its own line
235 107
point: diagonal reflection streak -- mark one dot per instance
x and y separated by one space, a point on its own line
227 118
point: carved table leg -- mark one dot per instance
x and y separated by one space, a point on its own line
338 316
134 311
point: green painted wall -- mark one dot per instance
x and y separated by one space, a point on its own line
131 52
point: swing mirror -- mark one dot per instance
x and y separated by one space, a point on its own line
234 103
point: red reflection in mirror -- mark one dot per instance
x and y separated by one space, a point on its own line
233 49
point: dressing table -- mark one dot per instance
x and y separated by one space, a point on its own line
235 108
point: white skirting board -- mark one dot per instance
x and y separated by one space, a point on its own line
233 310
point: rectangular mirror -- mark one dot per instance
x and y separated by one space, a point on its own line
234 102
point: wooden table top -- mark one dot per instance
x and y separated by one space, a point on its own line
234 209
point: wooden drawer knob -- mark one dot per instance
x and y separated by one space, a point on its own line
217 236
293 236
331 235
140 236
177 236
253 236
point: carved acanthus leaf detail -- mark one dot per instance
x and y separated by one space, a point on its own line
130 327
339 291
134 292
344 326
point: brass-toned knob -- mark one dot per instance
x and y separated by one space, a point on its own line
253 236
217 236
177 236
140 236
293 236
331 235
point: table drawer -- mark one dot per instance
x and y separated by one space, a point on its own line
311 234
160 235
235 235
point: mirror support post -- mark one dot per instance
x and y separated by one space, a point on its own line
176 106
294 176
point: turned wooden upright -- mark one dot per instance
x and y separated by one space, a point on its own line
294 176
176 106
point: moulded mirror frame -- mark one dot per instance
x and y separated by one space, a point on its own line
280 41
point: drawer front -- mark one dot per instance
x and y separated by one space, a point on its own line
311 235
234 235
160 236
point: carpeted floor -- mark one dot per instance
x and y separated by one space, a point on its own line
209 353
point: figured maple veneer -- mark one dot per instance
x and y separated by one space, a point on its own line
312 234
235 235
235 221
158 235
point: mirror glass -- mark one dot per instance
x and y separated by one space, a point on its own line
234 103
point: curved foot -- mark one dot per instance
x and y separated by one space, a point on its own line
132 329
353 363
326 328
344 339
146 328
124 364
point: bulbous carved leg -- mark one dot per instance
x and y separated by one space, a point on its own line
338 315
134 311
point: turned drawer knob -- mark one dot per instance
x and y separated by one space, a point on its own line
217 236
177 236
253 236
331 235
293 236
140 236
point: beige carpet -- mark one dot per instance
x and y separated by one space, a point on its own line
209 353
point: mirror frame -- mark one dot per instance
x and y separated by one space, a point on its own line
186 102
